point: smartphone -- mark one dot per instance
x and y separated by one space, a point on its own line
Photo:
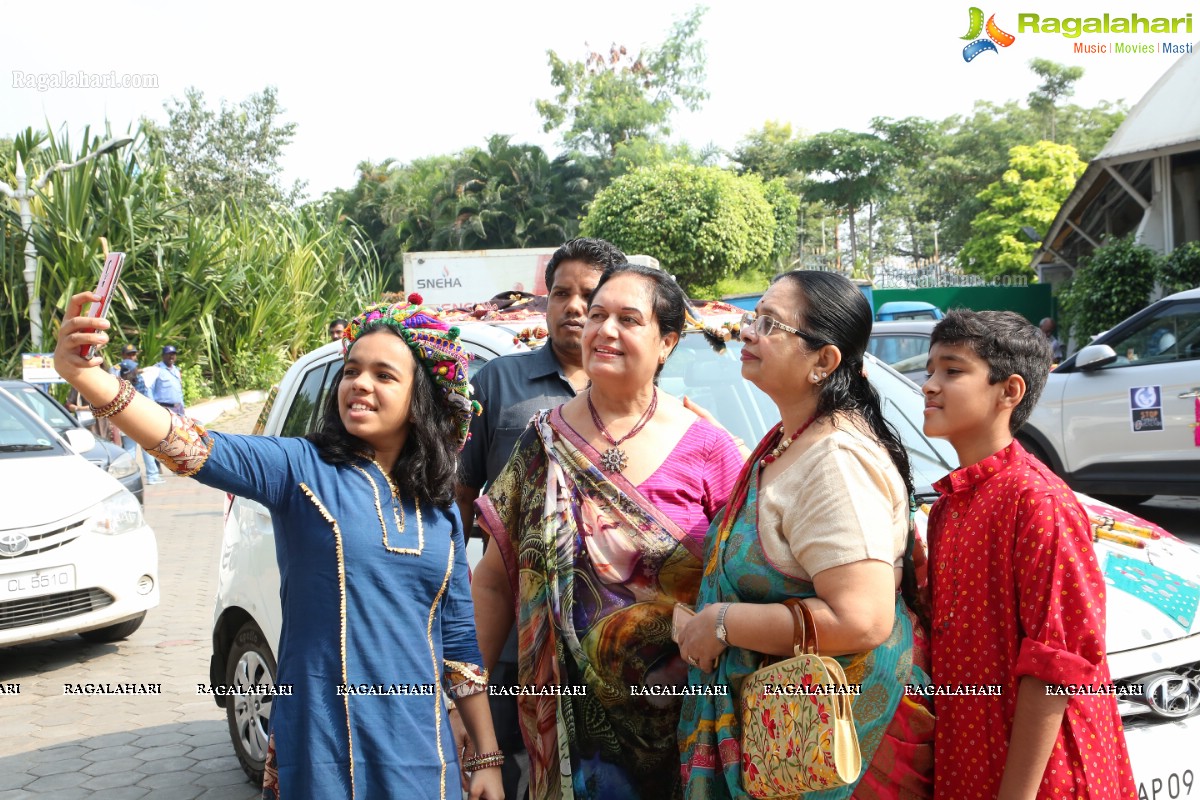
106 288
680 615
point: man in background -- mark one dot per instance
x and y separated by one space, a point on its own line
132 373
337 329
166 388
512 389
1048 327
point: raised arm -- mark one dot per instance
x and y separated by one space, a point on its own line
140 418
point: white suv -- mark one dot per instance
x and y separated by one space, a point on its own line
1121 416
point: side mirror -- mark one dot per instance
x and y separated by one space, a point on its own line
81 441
1095 356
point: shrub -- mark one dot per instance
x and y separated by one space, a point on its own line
195 386
1110 285
1181 270
702 223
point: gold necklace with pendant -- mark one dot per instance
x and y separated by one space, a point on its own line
397 513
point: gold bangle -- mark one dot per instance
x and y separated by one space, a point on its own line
118 404
483 761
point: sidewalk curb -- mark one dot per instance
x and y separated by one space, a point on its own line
209 410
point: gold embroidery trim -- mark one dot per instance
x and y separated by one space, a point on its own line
185 448
437 704
341 559
404 551
474 678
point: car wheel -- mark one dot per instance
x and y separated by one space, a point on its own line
250 665
114 633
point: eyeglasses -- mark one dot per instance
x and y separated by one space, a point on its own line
762 325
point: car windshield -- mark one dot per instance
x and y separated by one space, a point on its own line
21 435
46 409
714 381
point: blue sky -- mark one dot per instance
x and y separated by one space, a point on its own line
367 80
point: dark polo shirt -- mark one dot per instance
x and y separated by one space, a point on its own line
511 389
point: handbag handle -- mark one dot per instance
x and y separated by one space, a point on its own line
804 628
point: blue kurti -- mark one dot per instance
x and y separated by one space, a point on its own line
366 606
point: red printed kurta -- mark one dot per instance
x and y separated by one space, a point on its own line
1017 591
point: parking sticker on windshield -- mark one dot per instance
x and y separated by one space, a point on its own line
1145 408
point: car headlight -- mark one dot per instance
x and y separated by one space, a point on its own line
122 466
120 513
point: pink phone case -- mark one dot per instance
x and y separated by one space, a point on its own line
106 287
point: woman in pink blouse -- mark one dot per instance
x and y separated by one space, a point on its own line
599 520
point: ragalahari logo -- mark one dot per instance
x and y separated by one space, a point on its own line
995 36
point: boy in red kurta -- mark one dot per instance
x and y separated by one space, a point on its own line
1018 595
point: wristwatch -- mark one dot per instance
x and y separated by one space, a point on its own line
721 631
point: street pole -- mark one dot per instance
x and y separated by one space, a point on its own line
22 195
35 303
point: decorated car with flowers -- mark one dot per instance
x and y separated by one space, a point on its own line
1153 577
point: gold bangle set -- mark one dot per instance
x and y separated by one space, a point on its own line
483 761
118 404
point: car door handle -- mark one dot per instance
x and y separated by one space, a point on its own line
1193 393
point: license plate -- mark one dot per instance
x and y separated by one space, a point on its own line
37 582
1164 762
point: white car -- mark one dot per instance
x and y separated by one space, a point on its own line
76 555
1146 646
1121 416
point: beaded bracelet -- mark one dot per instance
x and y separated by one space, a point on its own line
119 403
483 761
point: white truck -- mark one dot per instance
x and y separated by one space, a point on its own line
470 276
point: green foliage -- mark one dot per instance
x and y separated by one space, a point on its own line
1110 285
230 154
975 150
1180 271
235 281
195 386
908 216
1058 82
1030 193
259 368
749 282
615 97
702 223
784 208
847 171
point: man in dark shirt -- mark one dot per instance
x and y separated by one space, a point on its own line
512 389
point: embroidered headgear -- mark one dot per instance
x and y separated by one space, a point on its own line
435 346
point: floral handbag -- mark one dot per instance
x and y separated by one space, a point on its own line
798 730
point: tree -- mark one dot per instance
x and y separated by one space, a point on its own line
227 155
908 204
855 167
616 97
1180 270
510 196
1058 82
702 223
1030 193
1110 285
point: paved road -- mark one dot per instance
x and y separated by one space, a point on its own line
174 745
109 747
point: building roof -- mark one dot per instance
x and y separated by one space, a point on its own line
1165 119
